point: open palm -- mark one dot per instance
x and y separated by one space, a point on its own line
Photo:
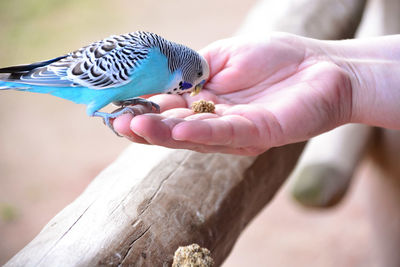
268 92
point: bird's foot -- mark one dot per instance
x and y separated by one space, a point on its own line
138 101
107 116
126 107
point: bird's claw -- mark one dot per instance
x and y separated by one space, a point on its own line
107 116
125 107
138 101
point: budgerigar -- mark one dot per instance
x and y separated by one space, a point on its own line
117 69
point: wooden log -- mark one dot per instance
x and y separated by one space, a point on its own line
151 200
321 19
131 218
328 165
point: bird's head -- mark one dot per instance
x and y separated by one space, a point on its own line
191 74
201 76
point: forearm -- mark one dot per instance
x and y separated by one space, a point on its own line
374 68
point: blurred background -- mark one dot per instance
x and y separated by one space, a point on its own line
50 150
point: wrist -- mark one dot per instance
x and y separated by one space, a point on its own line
373 66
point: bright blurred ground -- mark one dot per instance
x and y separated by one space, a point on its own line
50 150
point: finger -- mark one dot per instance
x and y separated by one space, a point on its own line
232 130
201 116
122 123
178 113
156 130
215 56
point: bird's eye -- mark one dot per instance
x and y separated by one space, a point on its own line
200 73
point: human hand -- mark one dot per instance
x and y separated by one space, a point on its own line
268 92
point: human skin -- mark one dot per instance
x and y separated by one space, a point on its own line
277 90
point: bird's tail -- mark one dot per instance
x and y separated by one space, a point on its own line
10 81
4 85
39 77
25 77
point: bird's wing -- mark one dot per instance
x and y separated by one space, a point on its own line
103 64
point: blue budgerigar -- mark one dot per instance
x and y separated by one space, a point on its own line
117 69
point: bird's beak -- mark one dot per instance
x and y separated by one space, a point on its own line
197 88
